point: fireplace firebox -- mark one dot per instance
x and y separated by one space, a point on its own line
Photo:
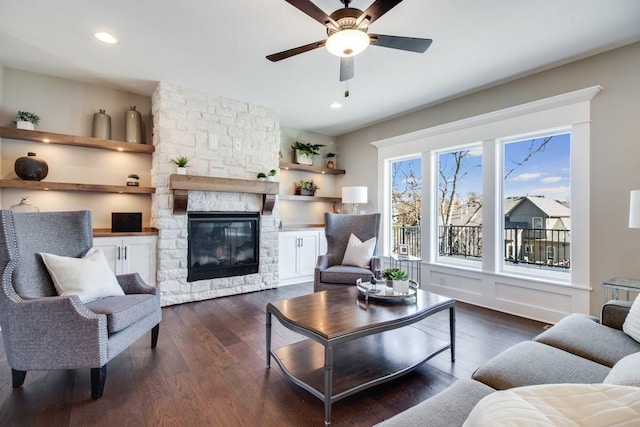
222 244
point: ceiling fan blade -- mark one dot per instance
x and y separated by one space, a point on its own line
346 68
376 10
274 57
411 44
310 9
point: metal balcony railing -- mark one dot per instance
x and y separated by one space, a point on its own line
533 247
406 235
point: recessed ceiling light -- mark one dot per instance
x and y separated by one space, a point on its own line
335 105
106 37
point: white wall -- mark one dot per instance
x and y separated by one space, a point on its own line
67 107
615 147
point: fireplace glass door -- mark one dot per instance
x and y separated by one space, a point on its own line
223 244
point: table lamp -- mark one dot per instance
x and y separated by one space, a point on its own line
634 209
355 195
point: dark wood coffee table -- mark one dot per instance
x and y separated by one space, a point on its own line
354 344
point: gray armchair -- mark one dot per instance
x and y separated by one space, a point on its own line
43 331
329 273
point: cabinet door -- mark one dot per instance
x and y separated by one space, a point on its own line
307 253
112 249
288 243
139 256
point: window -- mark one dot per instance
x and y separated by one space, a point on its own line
507 244
406 204
536 189
460 204
536 223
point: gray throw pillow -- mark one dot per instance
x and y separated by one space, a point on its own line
626 371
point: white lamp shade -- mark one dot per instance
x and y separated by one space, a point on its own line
634 209
349 42
354 194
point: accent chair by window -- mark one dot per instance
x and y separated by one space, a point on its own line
350 251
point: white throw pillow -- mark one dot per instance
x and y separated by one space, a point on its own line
631 324
626 371
359 253
88 277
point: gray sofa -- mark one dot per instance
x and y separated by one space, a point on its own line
578 349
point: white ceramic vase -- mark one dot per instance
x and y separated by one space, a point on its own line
181 171
22 124
401 286
303 158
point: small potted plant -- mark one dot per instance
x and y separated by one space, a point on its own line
400 281
271 176
133 180
305 151
387 274
182 163
26 120
305 188
331 164
262 176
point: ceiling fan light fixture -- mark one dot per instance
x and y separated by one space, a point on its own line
347 42
105 37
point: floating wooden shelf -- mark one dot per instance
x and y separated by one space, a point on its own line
292 197
182 184
73 140
69 186
313 169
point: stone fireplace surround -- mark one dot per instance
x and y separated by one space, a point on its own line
222 138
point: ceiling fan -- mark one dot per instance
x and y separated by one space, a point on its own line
347 30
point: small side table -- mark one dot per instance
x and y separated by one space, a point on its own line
410 264
620 283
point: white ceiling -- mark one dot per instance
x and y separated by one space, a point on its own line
219 47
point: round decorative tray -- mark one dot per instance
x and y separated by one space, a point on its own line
383 292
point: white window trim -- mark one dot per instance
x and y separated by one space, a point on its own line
538 297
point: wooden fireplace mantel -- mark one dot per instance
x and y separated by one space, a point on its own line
182 184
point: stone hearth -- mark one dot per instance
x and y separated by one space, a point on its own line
222 138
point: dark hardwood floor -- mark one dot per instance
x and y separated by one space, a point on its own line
209 370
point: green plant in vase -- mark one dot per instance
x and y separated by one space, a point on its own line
331 164
305 188
26 120
182 163
399 281
305 152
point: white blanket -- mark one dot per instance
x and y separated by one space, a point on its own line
566 405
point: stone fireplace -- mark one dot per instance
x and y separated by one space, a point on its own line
222 138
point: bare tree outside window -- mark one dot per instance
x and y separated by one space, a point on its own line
406 204
460 203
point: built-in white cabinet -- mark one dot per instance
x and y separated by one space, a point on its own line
299 252
130 254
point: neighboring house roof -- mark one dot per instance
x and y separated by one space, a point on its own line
551 208
510 202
